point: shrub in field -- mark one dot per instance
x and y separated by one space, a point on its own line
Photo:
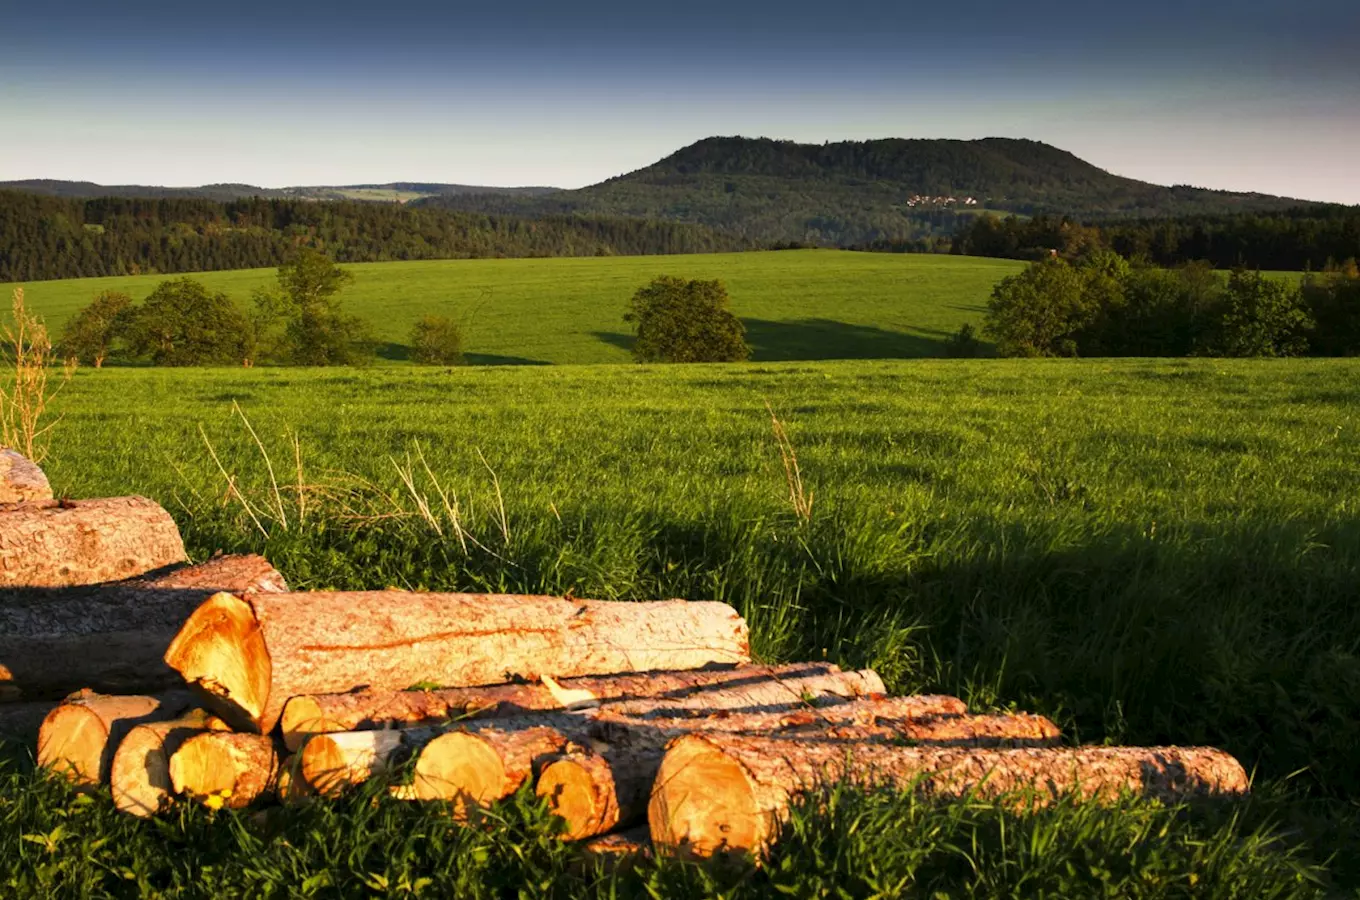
182 323
686 321
437 341
301 321
1333 299
963 344
1261 317
1040 312
91 335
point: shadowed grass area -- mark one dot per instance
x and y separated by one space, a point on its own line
1149 552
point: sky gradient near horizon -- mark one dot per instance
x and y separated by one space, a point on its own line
1233 94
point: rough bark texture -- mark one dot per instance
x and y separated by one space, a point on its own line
21 481
223 768
608 786
75 542
250 655
140 775
720 792
113 637
78 738
367 710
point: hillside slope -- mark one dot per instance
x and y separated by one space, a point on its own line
858 192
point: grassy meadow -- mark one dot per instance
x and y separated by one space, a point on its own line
797 305
1148 551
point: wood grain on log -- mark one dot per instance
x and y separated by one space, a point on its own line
249 655
78 738
368 709
718 792
21 480
140 775
111 637
66 543
224 768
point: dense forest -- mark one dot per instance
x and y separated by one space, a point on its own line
44 237
1293 239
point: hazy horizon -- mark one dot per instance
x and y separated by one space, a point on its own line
1250 96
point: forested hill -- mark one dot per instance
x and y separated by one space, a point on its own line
859 192
49 237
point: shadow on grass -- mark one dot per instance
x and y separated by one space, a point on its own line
495 359
812 339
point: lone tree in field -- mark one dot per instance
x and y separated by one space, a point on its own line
182 323
315 331
437 341
686 321
90 336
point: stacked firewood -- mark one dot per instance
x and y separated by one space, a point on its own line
214 684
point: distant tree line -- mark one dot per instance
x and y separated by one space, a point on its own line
1294 240
1101 305
52 237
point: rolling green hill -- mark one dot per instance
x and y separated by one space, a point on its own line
853 192
797 304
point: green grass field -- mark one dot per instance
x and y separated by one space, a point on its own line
1149 552
798 305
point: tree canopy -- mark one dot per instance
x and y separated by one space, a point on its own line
685 321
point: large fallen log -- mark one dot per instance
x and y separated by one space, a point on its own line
78 738
112 637
595 791
224 768
331 762
249 655
719 792
368 710
140 775
21 481
73 542
19 722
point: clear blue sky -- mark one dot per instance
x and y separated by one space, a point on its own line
1237 94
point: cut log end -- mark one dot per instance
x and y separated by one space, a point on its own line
72 741
224 769
221 653
21 480
303 718
331 763
703 803
140 775
581 794
460 767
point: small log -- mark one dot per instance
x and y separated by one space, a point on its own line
78 738
293 789
334 761
722 792
224 768
369 710
112 637
608 786
65 543
249 655
21 481
140 774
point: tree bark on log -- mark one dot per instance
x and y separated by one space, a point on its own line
720 792
332 762
595 791
140 775
112 637
75 542
21 480
370 710
78 738
250 655
224 768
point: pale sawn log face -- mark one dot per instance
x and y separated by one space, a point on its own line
78 738
21 479
328 642
139 778
76 542
223 768
110 638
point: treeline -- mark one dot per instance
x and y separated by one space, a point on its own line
1101 305
52 237
1294 240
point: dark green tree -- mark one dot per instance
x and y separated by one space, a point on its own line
1040 312
1261 317
315 330
437 341
686 321
182 323
90 336
1333 299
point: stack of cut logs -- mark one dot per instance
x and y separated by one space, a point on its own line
213 683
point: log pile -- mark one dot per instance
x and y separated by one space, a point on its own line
634 721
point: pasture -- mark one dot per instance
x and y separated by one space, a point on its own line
1148 551
797 304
